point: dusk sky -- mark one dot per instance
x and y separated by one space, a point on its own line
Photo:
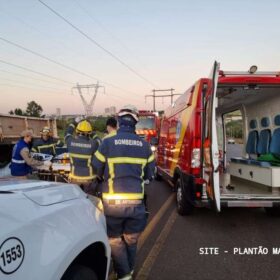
167 43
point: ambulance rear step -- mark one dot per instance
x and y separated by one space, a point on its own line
244 201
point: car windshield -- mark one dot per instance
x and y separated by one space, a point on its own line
146 122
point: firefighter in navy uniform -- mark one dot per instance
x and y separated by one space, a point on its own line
46 144
96 138
125 161
81 149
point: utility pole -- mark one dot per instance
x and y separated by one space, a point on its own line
88 105
154 96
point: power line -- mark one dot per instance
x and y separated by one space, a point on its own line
26 87
47 58
154 96
33 71
60 64
48 76
109 32
32 78
45 75
65 46
97 44
28 84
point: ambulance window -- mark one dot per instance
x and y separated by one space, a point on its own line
234 125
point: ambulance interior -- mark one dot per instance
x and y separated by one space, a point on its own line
254 171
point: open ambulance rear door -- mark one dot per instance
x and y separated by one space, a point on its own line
211 150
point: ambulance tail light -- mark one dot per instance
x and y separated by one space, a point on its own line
195 163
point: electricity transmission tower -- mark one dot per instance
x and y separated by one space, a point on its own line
154 96
88 105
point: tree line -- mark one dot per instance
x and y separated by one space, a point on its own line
33 109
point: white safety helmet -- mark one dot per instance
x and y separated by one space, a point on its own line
129 110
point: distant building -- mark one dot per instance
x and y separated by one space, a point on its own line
110 111
58 112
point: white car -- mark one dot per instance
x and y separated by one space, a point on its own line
51 231
231 141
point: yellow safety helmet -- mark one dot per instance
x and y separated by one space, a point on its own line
84 127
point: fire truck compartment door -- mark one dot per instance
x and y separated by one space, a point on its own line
213 188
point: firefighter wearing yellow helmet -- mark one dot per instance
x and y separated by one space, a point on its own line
125 161
81 148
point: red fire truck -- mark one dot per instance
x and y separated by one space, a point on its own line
148 125
193 153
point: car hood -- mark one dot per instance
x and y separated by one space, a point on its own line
42 192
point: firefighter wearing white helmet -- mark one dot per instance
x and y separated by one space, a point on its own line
125 161
81 148
46 144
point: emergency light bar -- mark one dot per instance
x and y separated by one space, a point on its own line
244 73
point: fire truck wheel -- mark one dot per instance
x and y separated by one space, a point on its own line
273 211
79 272
184 207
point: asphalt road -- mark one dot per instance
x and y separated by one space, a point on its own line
172 247
234 150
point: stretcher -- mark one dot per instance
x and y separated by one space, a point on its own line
59 170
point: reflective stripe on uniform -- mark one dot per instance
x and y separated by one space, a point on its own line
151 158
111 134
72 173
79 156
45 147
81 178
131 160
18 161
123 196
123 160
100 157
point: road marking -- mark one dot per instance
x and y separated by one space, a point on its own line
145 270
152 224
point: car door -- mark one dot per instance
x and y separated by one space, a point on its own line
210 146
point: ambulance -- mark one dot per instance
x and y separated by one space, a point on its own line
193 154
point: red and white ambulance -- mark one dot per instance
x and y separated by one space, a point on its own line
193 153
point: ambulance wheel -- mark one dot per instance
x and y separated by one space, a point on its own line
79 272
273 211
184 206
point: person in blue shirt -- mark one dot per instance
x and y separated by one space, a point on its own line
22 162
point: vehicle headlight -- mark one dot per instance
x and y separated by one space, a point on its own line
97 202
